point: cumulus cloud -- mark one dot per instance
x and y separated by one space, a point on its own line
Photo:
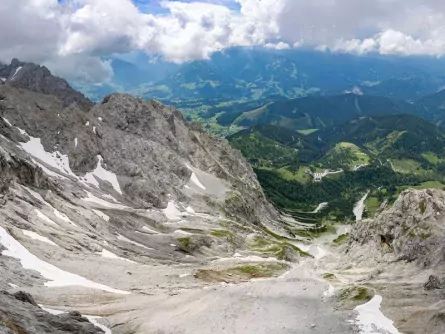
72 36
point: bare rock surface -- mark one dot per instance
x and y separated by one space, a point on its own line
20 314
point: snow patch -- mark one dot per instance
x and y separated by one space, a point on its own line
145 228
194 178
371 320
360 207
320 207
45 218
104 175
57 277
13 285
56 159
122 238
101 215
94 130
100 119
75 142
16 72
107 254
190 210
96 200
172 212
87 123
6 121
62 216
91 318
35 236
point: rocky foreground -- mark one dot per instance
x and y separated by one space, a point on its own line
123 217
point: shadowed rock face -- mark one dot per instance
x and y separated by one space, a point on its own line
19 314
39 79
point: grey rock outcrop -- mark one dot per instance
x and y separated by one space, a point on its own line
411 230
433 283
20 315
39 79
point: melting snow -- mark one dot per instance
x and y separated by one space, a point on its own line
93 199
94 129
101 215
87 123
13 285
145 228
100 119
122 238
359 207
56 159
15 73
320 207
75 142
371 320
6 121
104 175
64 217
172 212
190 210
194 178
36 236
109 255
91 318
57 277
45 218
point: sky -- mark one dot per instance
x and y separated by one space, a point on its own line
75 36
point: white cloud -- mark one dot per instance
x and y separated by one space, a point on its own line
72 36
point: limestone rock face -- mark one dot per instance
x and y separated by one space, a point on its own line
411 230
39 79
22 315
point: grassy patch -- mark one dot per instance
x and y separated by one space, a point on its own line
342 239
192 230
185 242
242 273
372 205
356 293
329 276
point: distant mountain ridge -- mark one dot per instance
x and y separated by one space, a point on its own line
39 79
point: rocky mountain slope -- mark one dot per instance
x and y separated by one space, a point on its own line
39 79
400 256
108 211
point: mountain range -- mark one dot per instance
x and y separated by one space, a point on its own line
126 216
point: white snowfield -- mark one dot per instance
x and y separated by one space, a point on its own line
109 255
63 216
36 236
45 218
96 200
101 215
104 175
371 320
56 159
194 179
6 121
172 212
360 207
61 162
57 277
